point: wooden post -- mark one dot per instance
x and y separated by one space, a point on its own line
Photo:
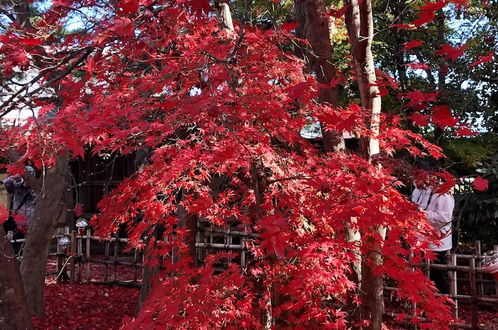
88 253
243 251
452 261
59 262
496 282
106 265
73 254
473 293
480 287
79 240
427 268
135 268
115 258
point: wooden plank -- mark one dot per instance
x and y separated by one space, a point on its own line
106 267
480 287
112 262
115 259
490 300
88 252
79 240
453 324
243 252
73 253
428 265
496 282
135 268
219 246
473 294
60 258
454 282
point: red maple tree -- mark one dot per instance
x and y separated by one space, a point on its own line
162 76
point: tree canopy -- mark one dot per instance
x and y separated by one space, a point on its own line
220 113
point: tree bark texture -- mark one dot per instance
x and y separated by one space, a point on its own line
442 73
148 281
313 25
359 23
50 206
13 309
22 12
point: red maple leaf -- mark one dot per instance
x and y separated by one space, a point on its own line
289 26
483 59
123 27
200 6
128 6
333 82
31 41
384 79
418 65
20 221
448 182
273 237
443 117
451 53
433 6
412 44
417 97
298 90
465 131
480 184
419 119
78 209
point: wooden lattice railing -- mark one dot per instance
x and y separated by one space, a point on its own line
463 269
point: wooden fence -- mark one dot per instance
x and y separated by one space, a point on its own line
465 271
469 282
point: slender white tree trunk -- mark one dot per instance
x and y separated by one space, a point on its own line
359 22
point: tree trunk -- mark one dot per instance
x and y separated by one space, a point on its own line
359 22
149 274
49 208
13 309
22 12
441 77
313 25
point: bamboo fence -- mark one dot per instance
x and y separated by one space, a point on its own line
464 270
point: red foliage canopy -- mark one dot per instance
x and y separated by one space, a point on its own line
209 105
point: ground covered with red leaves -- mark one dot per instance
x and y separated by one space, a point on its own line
89 306
86 306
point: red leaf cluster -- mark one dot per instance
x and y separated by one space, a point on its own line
443 117
483 59
412 44
221 120
451 53
480 184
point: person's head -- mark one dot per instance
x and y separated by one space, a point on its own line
422 174
30 170
422 164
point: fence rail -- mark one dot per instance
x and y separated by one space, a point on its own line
210 239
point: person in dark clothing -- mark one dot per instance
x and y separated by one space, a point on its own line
23 200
